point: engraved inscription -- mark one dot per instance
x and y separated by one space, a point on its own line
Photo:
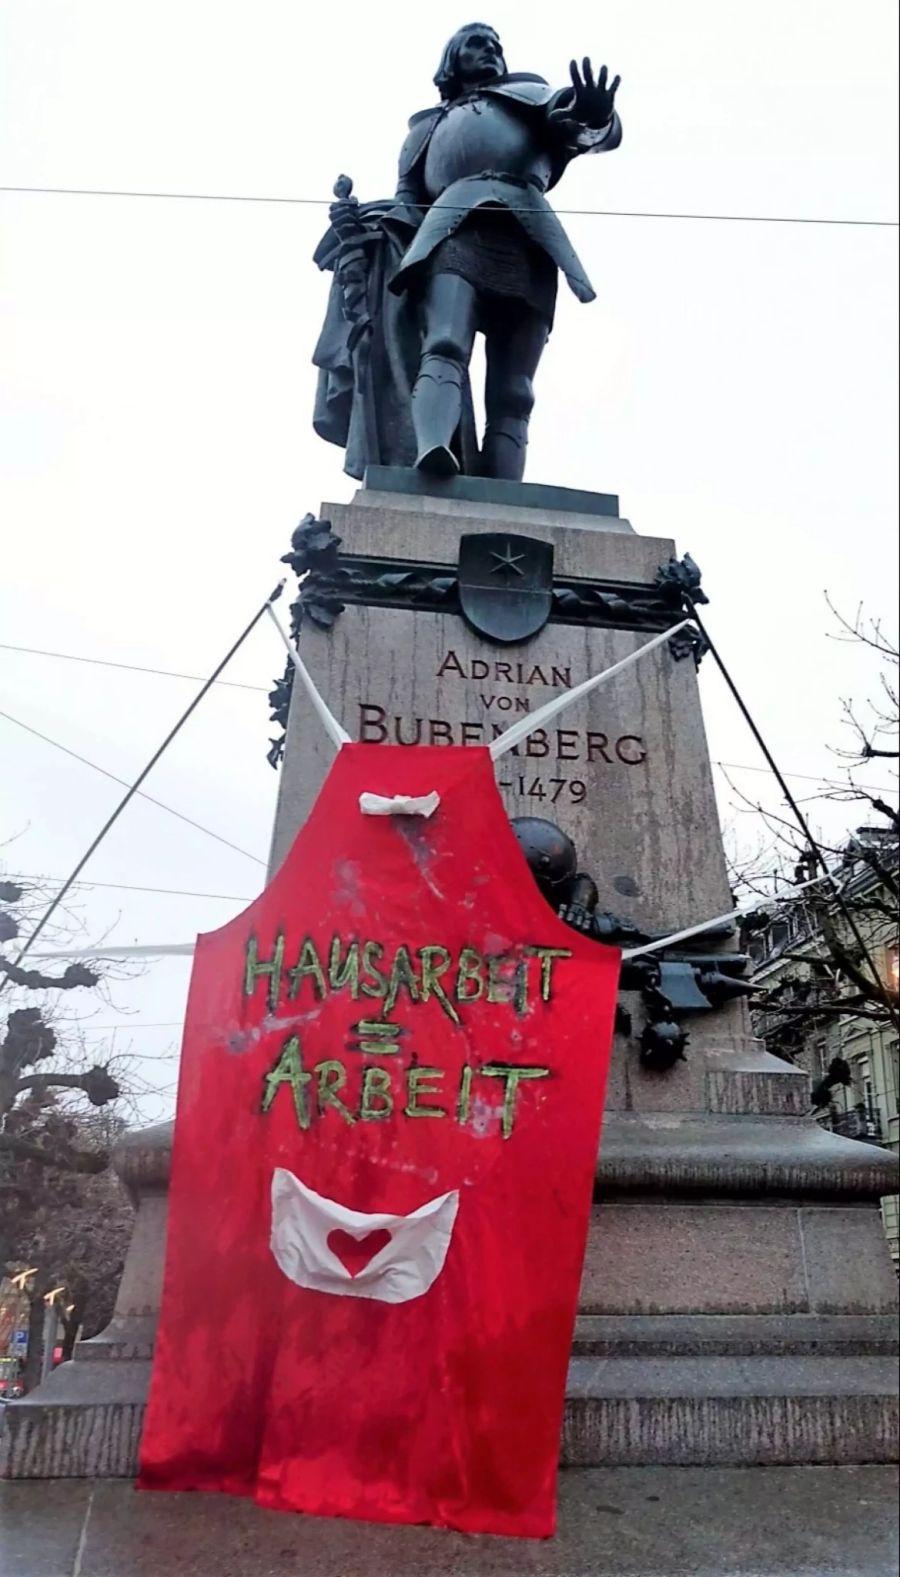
557 750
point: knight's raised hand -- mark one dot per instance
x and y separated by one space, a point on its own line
594 101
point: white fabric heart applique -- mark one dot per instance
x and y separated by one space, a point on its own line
325 1247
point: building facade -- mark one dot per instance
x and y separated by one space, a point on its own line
810 1010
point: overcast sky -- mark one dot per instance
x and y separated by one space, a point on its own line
734 383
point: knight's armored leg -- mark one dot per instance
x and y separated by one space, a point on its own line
436 409
504 449
449 333
512 361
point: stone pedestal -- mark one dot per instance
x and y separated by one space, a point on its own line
738 1294
625 772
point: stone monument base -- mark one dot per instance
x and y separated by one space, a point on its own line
738 1300
700 1383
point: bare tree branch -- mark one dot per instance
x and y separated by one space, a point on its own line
96 1084
820 1011
857 632
35 980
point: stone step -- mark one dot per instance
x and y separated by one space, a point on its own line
620 1412
723 1335
750 1157
730 1411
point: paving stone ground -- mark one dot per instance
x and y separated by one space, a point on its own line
625 1522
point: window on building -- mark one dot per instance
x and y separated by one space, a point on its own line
857 1095
756 947
862 1104
892 1073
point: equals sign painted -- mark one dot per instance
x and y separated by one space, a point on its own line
377 1038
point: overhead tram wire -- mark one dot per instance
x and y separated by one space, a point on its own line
135 786
325 202
160 804
126 887
85 1024
137 668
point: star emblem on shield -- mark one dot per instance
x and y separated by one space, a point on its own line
505 584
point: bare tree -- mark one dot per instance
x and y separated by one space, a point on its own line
56 1198
79 1233
848 942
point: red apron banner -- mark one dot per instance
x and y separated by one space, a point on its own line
385 1144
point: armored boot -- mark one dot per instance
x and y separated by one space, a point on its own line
436 410
504 448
